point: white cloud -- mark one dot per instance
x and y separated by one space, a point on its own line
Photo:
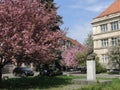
79 32
90 5
91 1
93 8
96 8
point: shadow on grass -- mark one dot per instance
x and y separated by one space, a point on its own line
35 82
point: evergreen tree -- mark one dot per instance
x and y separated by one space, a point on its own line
89 42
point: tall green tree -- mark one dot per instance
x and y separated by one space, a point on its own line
89 42
82 57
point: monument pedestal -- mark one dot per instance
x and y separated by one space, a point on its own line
91 76
91 70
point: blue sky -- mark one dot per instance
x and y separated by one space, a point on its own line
78 14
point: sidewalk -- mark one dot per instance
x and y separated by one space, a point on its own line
75 74
100 75
97 75
10 75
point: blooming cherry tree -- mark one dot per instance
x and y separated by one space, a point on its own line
29 31
70 56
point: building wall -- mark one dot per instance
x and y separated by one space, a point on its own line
67 43
110 36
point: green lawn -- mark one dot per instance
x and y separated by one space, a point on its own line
54 83
115 85
36 82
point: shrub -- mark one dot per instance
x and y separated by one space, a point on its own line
99 67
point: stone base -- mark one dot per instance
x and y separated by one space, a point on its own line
88 82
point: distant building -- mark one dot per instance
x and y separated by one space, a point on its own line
106 31
68 42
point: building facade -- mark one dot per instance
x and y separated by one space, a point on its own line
68 42
106 32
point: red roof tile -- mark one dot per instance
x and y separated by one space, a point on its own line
113 8
75 42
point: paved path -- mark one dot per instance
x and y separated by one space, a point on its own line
100 75
97 75
10 75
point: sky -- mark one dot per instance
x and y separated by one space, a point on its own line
78 14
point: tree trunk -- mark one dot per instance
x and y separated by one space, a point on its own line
0 74
119 70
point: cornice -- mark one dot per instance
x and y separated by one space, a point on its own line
97 20
106 32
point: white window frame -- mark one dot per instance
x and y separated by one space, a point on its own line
114 41
104 42
104 28
114 25
105 58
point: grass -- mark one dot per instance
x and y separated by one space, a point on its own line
55 83
115 85
36 82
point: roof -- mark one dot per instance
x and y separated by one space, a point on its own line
75 42
112 9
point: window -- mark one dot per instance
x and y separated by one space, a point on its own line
67 43
119 41
114 41
114 25
104 42
103 28
60 42
105 58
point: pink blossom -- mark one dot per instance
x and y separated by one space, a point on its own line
70 56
